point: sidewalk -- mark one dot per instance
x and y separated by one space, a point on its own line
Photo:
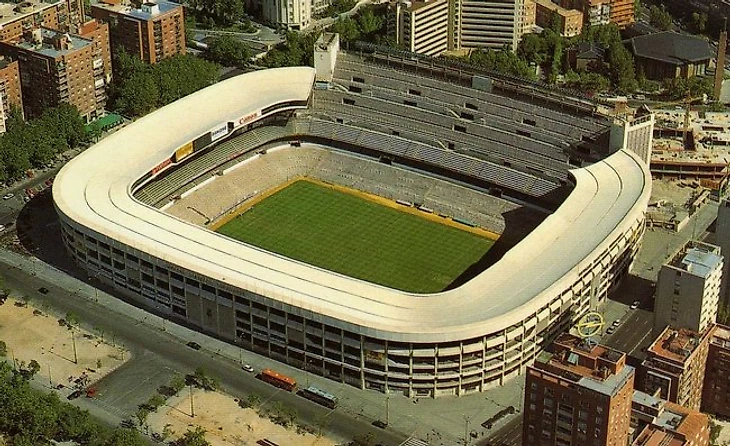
441 420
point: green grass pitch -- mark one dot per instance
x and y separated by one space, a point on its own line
359 238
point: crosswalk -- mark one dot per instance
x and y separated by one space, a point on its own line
412 441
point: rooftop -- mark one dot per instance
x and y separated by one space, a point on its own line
721 336
697 258
590 365
670 47
50 44
10 12
148 10
669 423
675 344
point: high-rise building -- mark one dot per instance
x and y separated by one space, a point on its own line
493 24
577 393
10 93
658 422
421 26
294 15
688 288
58 67
674 368
570 20
622 12
98 32
528 16
17 18
153 32
722 238
716 390
602 12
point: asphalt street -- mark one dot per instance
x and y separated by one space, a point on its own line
156 356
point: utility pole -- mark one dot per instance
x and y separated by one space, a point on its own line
50 381
387 409
73 342
466 430
192 407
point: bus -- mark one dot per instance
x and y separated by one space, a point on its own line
277 379
319 396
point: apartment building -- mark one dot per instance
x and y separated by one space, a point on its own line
688 288
658 422
58 67
98 32
152 32
722 239
674 368
19 17
421 26
576 393
716 390
528 16
602 12
10 93
294 15
570 21
622 12
478 24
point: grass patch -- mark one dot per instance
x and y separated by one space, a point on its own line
357 237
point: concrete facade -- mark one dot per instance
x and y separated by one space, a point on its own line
478 24
421 27
688 288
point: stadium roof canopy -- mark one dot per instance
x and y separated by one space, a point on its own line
94 190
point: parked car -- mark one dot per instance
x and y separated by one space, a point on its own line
8 196
194 345
43 290
616 323
635 305
610 329
75 394
248 368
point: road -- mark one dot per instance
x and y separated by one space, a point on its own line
156 355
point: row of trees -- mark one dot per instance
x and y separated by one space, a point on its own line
368 25
34 144
139 88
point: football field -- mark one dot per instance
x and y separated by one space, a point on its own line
357 237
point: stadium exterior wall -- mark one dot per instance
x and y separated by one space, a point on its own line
464 340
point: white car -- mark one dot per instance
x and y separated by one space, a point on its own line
8 196
635 305
616 323
248 368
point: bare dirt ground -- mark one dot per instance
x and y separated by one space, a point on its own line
31 333
226 423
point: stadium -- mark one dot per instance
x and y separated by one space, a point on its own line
142 211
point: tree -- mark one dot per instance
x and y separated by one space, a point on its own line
217 12
347 28
33 368
503 61
368 22
699 22
228 51
659 18
195 437
139 88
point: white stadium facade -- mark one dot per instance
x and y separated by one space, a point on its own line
465 339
